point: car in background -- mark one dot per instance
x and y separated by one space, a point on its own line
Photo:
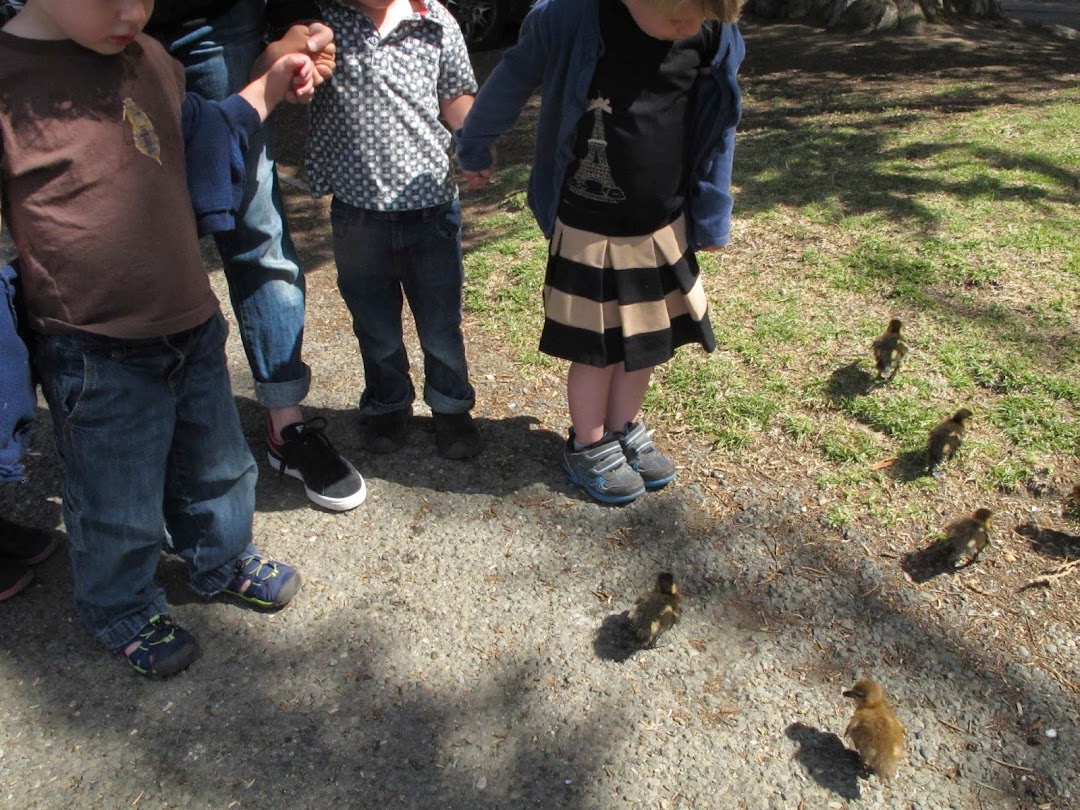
485 23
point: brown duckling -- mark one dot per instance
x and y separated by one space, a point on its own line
656 611
945 440
890 351
967 537
874 730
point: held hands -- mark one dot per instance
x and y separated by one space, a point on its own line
315 41
292 78
479 179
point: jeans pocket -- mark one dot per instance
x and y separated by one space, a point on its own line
448 221
339 220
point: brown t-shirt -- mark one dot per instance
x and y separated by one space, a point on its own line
95 189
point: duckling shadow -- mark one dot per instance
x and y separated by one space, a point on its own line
850 380
614 640
923 564
827 760
1050 542
910 466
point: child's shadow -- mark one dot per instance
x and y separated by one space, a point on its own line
615 640
517 454
827 760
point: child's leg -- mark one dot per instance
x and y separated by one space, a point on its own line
625 395
587 393
210 484
592 456
624 403
432 277
369 284
113 420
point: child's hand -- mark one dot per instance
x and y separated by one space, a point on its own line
478 179
315 40
292 78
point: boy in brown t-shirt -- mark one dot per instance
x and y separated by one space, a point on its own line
97 143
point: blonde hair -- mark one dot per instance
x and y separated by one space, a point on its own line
724 10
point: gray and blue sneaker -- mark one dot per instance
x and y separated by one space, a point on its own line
602 471
655 469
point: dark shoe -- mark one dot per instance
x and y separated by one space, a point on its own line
13 578
306 454
602 471
385 432
456 435
655 469
25 544
164 648
266 584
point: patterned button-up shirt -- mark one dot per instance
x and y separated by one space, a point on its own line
376 139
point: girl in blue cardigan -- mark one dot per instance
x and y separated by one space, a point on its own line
631 175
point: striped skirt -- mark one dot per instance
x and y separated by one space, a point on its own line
623 299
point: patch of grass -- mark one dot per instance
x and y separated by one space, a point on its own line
951 204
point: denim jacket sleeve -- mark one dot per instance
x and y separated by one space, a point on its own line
18 402
717 107
216 136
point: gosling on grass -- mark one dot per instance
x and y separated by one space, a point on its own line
874 730
945 440
967 537
656 611
890 351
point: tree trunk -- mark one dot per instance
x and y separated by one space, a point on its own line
874 15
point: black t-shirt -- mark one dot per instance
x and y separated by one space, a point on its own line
629 174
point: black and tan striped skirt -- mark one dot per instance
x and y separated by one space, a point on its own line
623 299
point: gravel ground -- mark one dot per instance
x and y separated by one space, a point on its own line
457 642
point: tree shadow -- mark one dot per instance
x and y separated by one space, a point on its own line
827 760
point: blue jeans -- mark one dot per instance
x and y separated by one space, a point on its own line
148 437
266 284
379 255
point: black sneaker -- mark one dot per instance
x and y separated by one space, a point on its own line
456 435
13 578
25 544
385 432
306 454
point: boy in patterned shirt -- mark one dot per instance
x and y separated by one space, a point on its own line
378 145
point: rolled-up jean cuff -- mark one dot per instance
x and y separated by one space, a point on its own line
211 584
283 394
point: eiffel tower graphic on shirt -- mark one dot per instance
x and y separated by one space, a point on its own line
593 179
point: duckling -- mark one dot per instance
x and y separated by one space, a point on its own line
1072 503
890 351
945 440
876 733
656 611
967 537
